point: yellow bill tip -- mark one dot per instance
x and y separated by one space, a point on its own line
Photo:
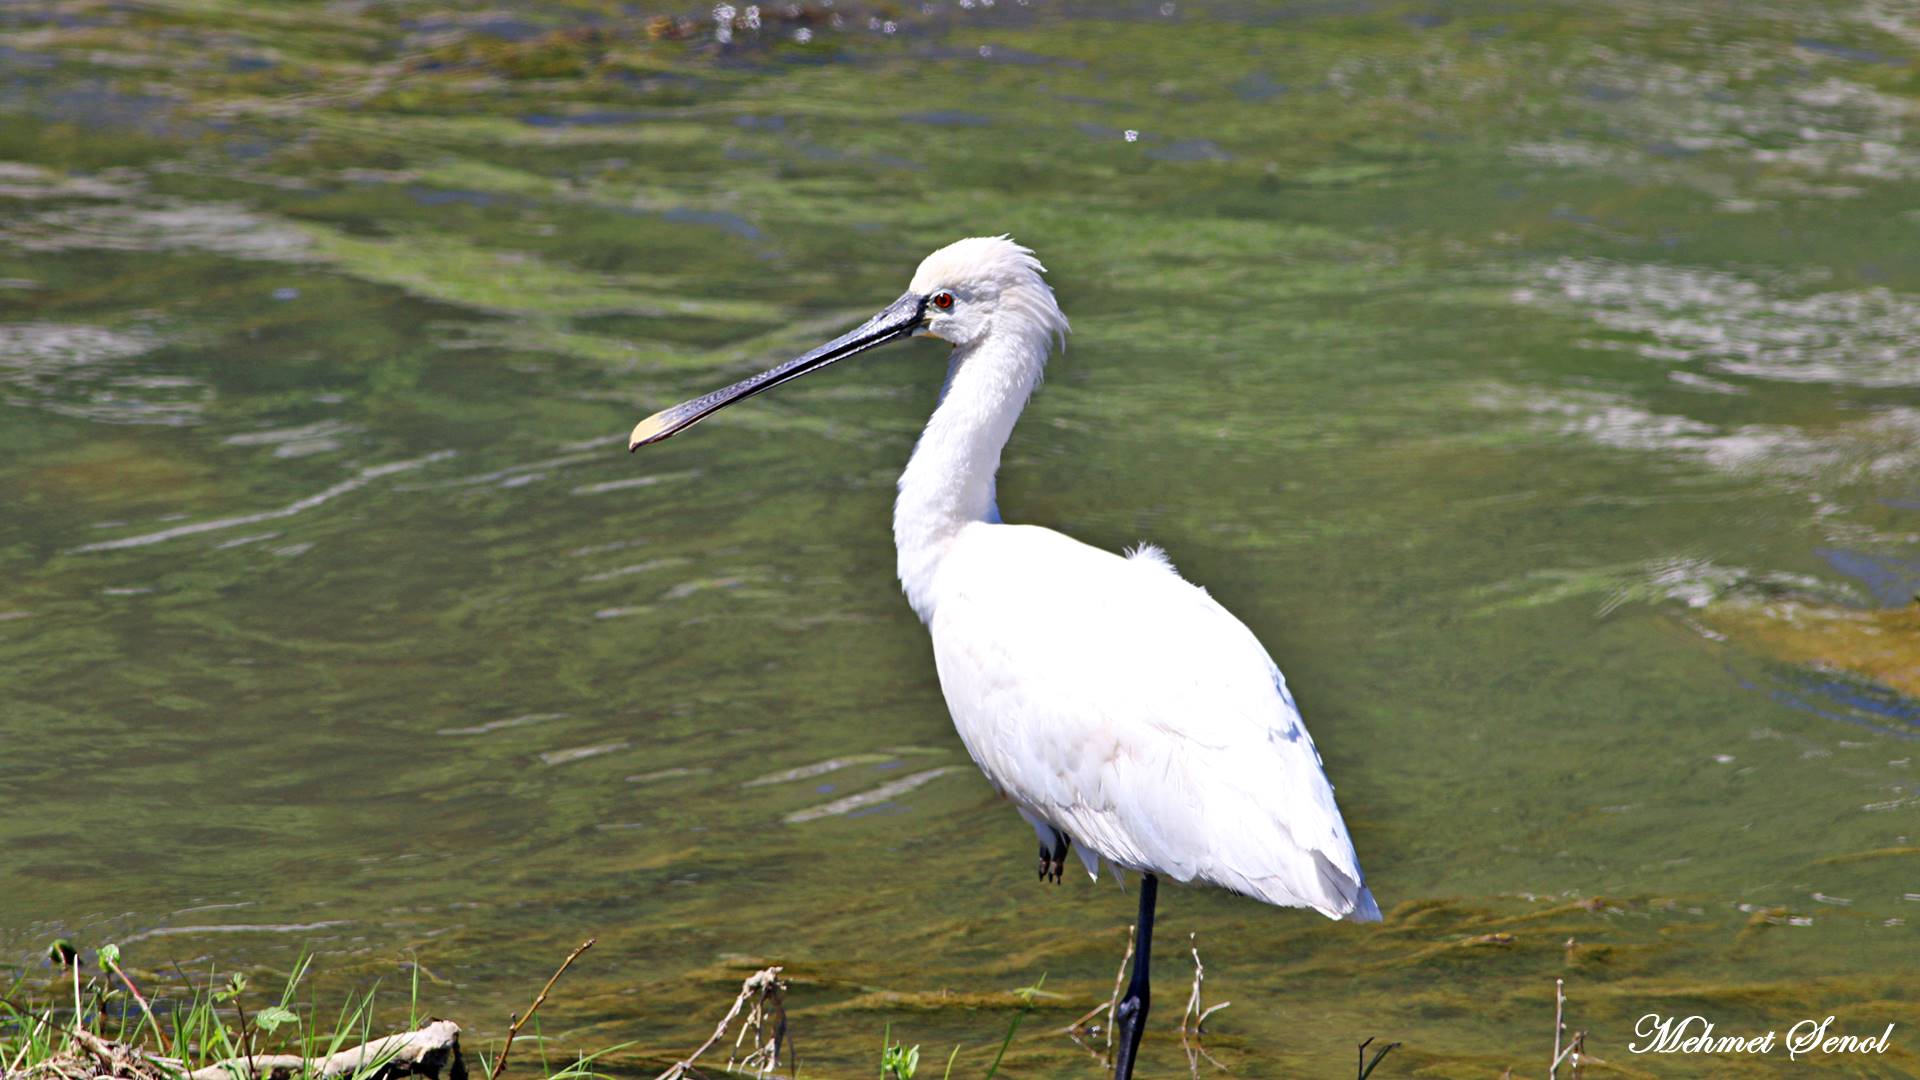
644 432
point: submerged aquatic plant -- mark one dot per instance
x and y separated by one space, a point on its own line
899 1062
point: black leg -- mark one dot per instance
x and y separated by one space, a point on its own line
1053 857
1130 1016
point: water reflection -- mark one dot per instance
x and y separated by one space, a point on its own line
218 228
1738 326
81 372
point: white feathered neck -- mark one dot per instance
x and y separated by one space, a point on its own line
949 483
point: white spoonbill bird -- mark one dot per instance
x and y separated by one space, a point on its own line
1116 705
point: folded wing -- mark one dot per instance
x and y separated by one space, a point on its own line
1124 706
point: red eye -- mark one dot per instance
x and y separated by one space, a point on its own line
943 301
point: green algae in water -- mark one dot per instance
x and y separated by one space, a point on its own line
1459 351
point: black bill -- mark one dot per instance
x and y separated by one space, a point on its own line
900 319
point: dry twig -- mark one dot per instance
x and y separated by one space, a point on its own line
1573 1051
1193 1020
1075 1027
1559 1022
1079 1027
426 1051
764 1058
1194 1012
766 990
433 1051
1366 1067
513 1031
1559 1025
1119 979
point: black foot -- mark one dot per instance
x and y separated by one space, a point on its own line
1053 859
1129 1023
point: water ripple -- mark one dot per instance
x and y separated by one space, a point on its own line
353 483
861 800
1866 337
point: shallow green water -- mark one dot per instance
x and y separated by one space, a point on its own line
1466 352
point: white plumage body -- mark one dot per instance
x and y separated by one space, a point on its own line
1116 702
